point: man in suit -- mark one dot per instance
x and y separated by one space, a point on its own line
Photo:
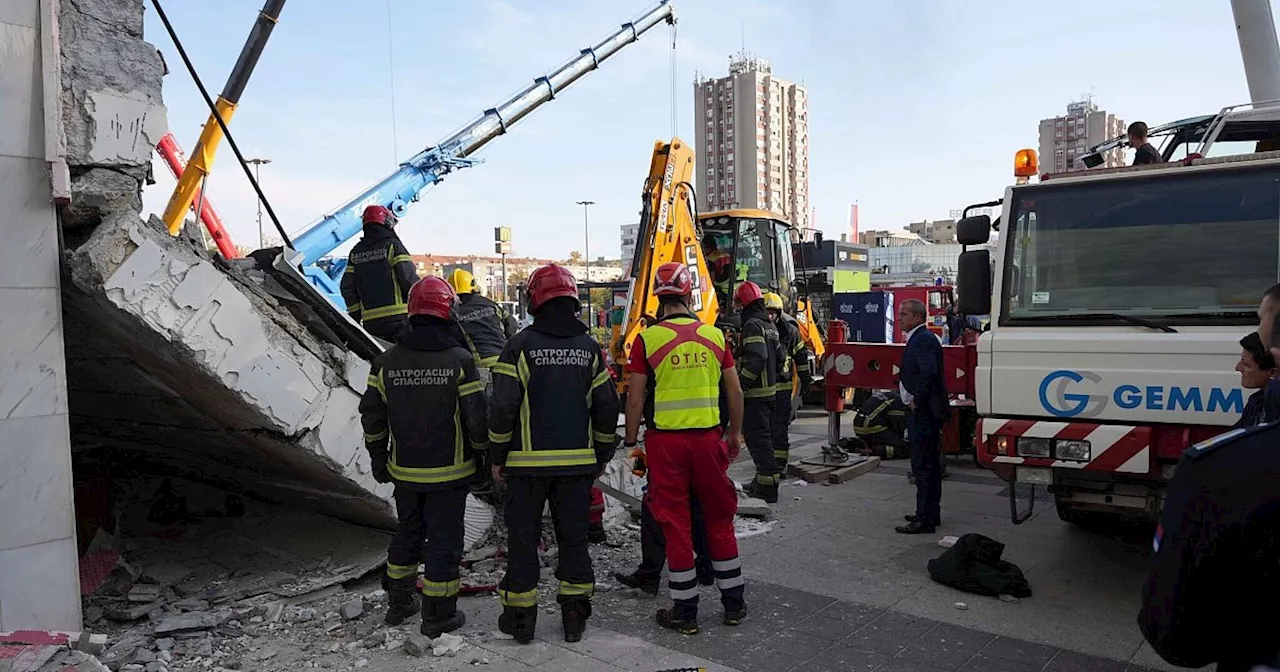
925 392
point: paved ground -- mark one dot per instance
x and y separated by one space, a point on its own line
832 587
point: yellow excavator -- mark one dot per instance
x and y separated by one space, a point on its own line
745 245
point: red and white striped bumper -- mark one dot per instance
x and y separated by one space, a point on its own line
1114 448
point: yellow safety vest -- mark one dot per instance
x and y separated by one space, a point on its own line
685 356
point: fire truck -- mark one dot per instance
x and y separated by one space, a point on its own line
1118 297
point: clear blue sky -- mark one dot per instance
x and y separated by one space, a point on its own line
916 108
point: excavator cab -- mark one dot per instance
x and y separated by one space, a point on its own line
742 245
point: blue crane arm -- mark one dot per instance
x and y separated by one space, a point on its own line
431 165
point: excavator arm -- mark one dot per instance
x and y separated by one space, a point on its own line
668 232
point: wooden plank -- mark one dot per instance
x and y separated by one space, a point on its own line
809 472
846 474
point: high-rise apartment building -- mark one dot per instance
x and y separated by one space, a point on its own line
629 234
752 141
1063 140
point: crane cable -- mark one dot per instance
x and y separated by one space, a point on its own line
391 75
674 124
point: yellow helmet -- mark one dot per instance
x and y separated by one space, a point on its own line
772 301
462 281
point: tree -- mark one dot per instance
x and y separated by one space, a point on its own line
575 257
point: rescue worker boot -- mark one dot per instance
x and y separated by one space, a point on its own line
402 599
769 493
441 615
734 616
678 620
596 534
643 582
573 616
518 622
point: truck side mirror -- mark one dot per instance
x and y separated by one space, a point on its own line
974 230
973 275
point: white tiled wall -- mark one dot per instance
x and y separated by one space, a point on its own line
39 575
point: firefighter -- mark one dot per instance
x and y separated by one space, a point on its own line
759 361
552 428
680 363
487 324
379 274
793 356
719 264
424 398
1214 580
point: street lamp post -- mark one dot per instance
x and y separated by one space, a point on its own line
586 254
257 176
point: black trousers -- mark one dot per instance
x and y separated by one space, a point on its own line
923 442
430 520
387 328
570 498
780 426
757 425
653 543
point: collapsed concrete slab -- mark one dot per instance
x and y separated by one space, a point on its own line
176 362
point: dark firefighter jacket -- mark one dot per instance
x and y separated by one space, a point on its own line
1214 583
793 350
487 324
423 402
379 273
555 408
759 354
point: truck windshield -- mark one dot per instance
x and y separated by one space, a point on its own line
1187 246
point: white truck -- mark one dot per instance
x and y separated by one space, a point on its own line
1118 299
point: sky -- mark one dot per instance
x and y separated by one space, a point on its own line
916 108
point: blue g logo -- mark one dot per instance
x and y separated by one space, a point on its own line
1055 399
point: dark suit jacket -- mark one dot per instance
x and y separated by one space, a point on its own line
921 374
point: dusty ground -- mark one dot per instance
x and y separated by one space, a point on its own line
831 587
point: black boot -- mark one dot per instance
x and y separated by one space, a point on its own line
519 622
573 615
596 534
402 599
643 582
769 493
441 615
683 624
734 616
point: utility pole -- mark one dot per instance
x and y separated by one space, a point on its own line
257 175
586 253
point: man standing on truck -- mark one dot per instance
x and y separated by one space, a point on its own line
677 376
423 401
552 429
1144 153
924 390
379 274
759 358
793 351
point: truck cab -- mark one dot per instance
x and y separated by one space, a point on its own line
1118 298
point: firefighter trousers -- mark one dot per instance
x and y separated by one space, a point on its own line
757 425
653 543
570 498
431 521
681 462
780 426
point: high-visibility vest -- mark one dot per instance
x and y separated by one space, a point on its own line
685 356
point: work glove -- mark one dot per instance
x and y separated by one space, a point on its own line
640 467
379 467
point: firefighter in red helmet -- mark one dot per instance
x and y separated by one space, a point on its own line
375 285
680 364
426 430
760 359
552 429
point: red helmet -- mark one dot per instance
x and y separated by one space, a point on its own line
549 282
432 296
747 294
672 279
379 214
